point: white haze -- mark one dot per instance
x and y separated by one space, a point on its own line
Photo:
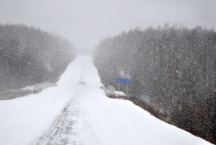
86 22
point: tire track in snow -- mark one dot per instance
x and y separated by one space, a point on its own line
26 129
62 128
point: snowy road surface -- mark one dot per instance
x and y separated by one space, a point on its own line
77 112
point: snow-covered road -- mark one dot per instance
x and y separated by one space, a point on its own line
77 112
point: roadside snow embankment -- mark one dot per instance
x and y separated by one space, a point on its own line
81 114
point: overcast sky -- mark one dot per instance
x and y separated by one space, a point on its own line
86 22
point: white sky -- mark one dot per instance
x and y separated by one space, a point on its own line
86 22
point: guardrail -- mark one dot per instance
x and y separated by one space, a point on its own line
116 94
40 86
12 94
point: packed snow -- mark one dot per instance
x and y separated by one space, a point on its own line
78 112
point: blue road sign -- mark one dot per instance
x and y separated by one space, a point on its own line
124 81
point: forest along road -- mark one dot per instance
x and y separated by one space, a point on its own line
77 112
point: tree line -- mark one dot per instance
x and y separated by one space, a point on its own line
29 55
173 70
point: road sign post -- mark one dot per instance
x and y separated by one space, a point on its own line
124 81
